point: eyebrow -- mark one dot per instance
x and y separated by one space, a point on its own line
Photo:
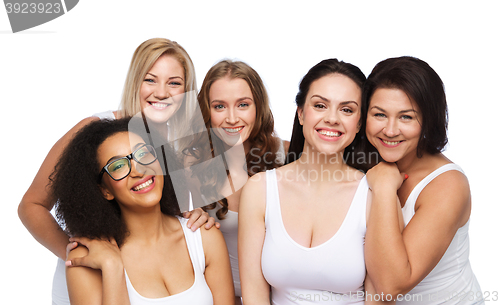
238 100
168 78
402 111
118 157
327 100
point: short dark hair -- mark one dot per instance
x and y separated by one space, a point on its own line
323 68
423 86
81 207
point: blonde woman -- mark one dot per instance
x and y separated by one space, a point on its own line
160 69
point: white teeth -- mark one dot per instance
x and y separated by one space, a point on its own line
329 133
143 185
233 130
391 143
159 105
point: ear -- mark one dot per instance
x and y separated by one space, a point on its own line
358 126
106 193
300 114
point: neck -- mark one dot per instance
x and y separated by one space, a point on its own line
146 225
318 166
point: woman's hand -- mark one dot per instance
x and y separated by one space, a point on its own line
101 253
198 217
385 175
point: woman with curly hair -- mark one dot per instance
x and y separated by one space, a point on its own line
241 142
160 83
116 202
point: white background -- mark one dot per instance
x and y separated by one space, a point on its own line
56 74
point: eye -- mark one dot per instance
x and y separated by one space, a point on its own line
319 106
347 110
406 117
118 165
175 84
379 115
149 80
218 107
244 104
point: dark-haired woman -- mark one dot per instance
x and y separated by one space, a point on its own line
302 226
406 121
135 249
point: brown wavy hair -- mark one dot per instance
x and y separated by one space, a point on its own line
263 141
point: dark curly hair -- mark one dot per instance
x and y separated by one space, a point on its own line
263 141
81 207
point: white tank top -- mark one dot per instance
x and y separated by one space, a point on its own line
452 280
198 293
331 273
229 229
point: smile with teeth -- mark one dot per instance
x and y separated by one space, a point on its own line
391 143
143 185
233 130
159 105
329 133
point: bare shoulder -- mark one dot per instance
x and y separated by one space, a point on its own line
449 195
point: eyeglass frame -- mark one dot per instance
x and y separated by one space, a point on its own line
129 158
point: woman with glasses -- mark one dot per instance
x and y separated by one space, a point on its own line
160 83
134 248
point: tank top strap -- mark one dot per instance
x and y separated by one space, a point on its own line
356 216
409 207
194 245
272 196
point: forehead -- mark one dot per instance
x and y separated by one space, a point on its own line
335 86
167 63
230 88
393 99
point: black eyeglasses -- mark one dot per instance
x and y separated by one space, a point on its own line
120 168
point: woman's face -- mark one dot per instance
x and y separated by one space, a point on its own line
393 124
162 90
331 113
143 187
232 110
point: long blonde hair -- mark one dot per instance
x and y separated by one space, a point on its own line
143 60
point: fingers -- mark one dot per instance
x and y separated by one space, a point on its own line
71 246
197 218
210 223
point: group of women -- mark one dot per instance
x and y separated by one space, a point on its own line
313 230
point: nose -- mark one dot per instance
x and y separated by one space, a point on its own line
137 169
391 129
331 116
232 117
161 92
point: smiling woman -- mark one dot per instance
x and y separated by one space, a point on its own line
121 209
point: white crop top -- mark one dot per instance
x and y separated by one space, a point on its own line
330 273
452 280
198 293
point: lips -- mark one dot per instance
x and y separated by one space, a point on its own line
387 143
144 185
329 134
232 130
159 105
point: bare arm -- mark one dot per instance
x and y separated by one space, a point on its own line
251 234
35 206
217 267
397 261
96 276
